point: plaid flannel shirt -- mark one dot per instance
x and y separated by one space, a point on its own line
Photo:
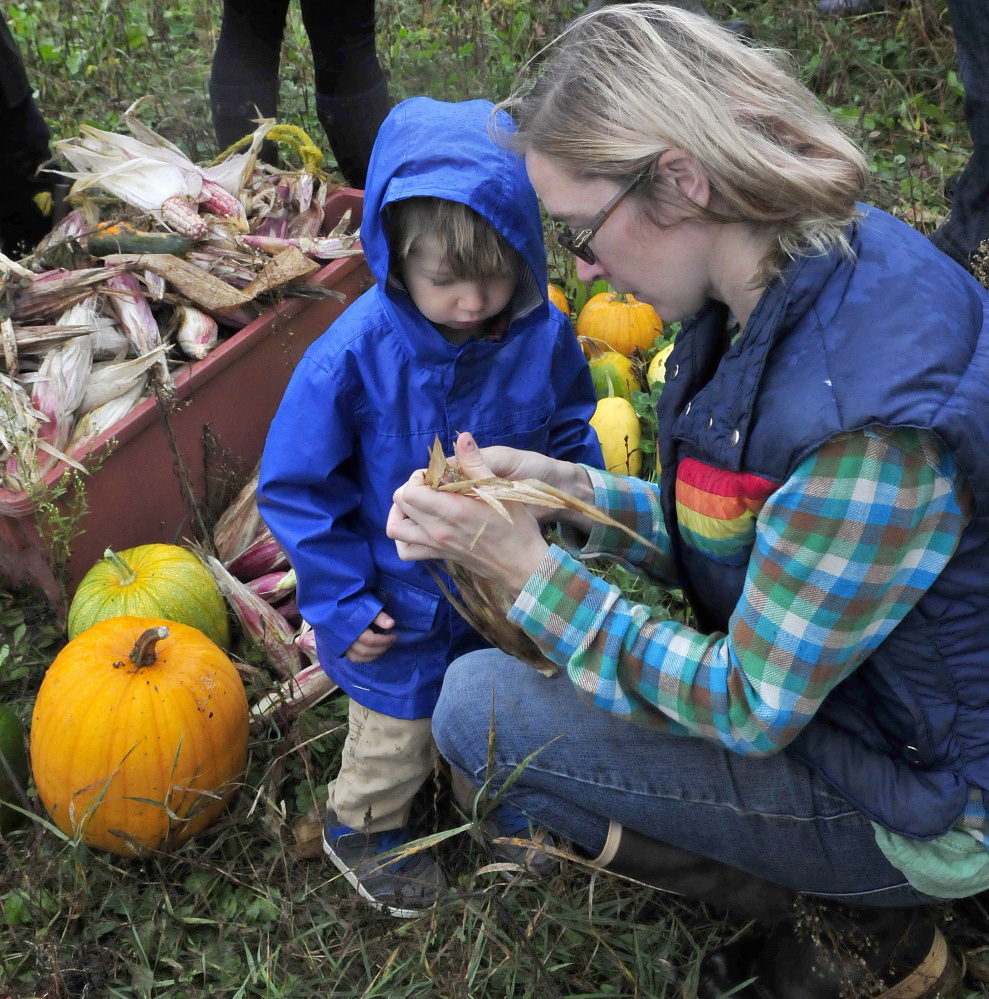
843 550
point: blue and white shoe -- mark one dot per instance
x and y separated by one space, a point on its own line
401 887
503 822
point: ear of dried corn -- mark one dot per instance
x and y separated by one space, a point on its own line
239 523
264 554
100 419
485 603
111 379
197 332
258 619
308 687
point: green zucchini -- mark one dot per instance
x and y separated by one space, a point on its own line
119 237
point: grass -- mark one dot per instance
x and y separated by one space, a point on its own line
241 911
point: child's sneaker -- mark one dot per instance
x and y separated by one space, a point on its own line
402 887
503 821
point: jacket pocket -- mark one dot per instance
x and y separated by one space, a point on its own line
527 438
412 608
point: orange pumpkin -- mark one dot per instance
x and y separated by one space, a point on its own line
620 321
559 299
139 735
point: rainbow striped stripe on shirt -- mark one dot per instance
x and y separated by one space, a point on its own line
717 509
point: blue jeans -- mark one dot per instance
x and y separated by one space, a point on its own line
771 816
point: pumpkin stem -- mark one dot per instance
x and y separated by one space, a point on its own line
125 574
621 296
143 653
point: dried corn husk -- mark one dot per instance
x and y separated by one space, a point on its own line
113 378
19 423
259 620
306 640
51 294
239 523
264 554
319 247
138 322
107 339
33 340
273 586
100 419
308 687
58 390
484 603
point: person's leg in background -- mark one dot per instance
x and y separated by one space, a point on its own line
351 92
967 227
24 149
244 74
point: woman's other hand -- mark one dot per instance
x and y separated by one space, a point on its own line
428 524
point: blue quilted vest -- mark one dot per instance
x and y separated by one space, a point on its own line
897 336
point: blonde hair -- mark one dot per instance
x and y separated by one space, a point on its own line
630 81
473 249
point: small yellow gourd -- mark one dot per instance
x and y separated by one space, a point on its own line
619 432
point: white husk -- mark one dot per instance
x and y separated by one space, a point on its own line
145 182
103 417
106 339
113 378
234 172
138 321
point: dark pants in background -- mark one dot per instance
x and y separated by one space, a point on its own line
351 92
968 225
24 147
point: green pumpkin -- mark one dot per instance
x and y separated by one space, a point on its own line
613 374
166 581
12 748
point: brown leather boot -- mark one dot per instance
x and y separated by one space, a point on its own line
676 870
834 951
812 949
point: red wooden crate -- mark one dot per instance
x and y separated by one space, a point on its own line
136 496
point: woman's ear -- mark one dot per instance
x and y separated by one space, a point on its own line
681 170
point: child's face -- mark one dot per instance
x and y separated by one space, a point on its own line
455 306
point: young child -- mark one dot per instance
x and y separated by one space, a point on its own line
457 334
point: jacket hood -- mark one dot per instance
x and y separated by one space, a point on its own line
429 148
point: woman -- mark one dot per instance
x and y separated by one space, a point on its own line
824 504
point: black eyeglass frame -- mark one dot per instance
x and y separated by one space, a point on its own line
577 244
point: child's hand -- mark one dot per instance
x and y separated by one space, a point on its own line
374 640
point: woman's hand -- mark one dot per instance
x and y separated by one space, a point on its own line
510 463
428 524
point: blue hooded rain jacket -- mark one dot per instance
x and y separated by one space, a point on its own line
368 398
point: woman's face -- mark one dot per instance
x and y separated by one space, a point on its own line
668 267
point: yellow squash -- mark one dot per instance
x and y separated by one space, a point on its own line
619 432
559 299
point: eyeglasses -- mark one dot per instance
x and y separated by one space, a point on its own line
577 244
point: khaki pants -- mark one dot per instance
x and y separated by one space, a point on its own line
385 761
